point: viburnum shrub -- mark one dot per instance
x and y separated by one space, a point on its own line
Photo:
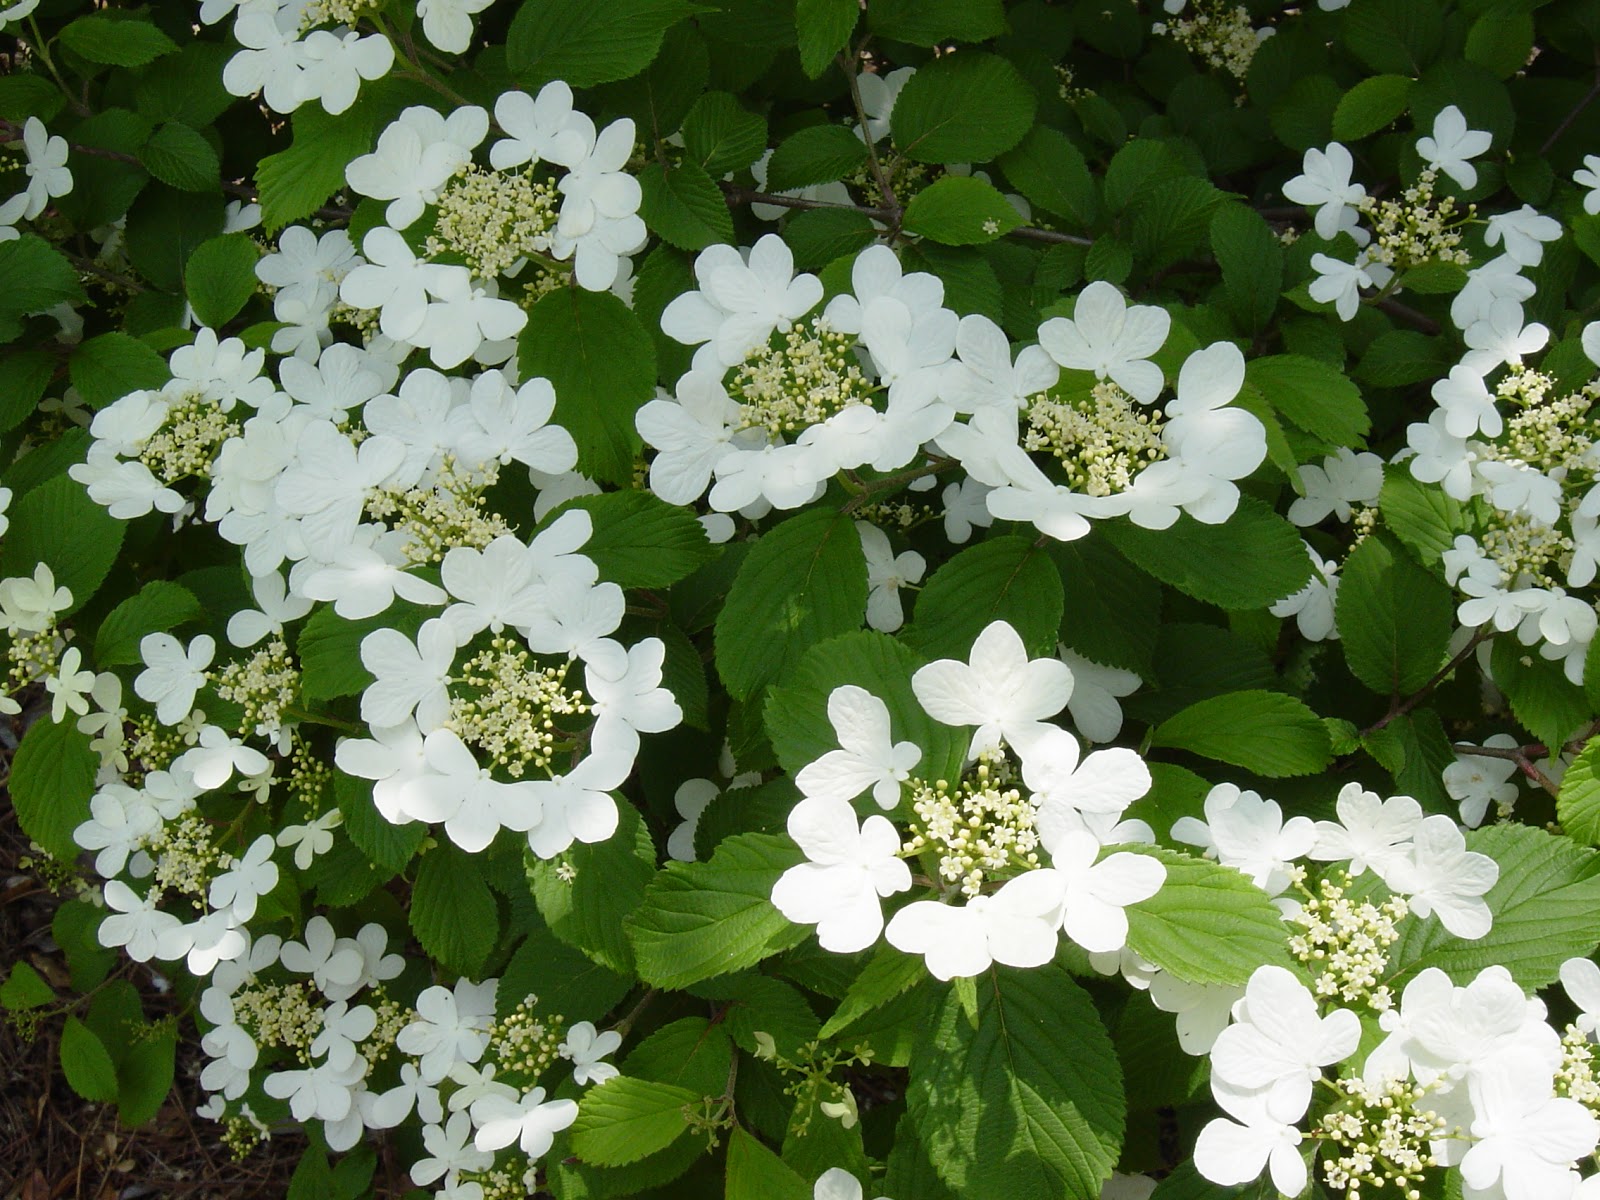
816 598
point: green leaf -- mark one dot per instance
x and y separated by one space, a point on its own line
1578 805
1547 703
721 135
221 277
563 979
1395 618
1112 609
586 44
816 154
1369 106
684 206
24 375
822 235
295 182
1207 924
602 364
179 157
640 541
386 844
1110 259
57 524
34 276
1435 278
797 711
1003 579
164 227
24 988
762 1004
756 1173
823 29
1051 172
106 368
86 1063
628 1119
690 1053
1546 908
1250 561
704 919
76 929
1400 36
1501 41
1402 356
960 211
1268 733
1420 514
968 107
1251 259
102 38
1171 219
1024 1098
804 581
145 1071
934 22
155 608
888 975
452 910
608 880
329 649
1313 395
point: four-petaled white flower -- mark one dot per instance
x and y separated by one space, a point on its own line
1452 144
850 865
532 1122
887 573
584 1047
1107 336
1324 184
172 674
999 689
869 756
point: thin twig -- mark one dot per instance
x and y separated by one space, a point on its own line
736 195
1566 121
852 71
1400 708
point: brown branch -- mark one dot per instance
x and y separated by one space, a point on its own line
1577 109
1523 756
1406 313
1399 708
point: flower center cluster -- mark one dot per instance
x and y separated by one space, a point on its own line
450 512
188 440
335 12
264 685
1575 1077
1384 1137
280 1014
511 715
493 219
1345 943
1552 435
1417 228
1101 442
525 1042
186 858
799 378
1220 34
982 827
1524 547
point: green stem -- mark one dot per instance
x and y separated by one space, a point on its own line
296 713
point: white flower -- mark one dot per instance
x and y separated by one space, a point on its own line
29 605
690 800
1095 692
540 129
409 677
212 762
120 820
742 299
463 317
1501 337
984 375
1442 876
869 757
1370 832
46 170
965 506
887 573
692 433
1008 697
1526 1139
1244 831
1017 926
450 1027
1344 478
1581 979
1096 893
1111 339
1077 794
1452 144
878 96
1339 283
136 924
599 221
576 806
394 280
69 687
1324 184
1312 606
334 64
448 23
1230 1153
416 156
172 674
330 960
505 424
1497 279
1467 404
1476 781
626 696
850 866
311 840
450 1150
1523 231
1589 177
245 880
584 1048
531 1122
248 626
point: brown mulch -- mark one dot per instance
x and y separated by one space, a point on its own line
53 1144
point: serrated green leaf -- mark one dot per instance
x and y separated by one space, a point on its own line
640 541
1501 41
721 135
1373 103
295 182
704 919
887 975
586 44
815 154
86 1063
1250 561
57 524
452 910
1251 259
561 976
34 276
24 988
1003 579
934 22
960 211
1171 219
684 206
1578 805
1545 905
1110 259
102 38
106 368
386 844
968 107
756 1173
1207 924
601 362
76 929
1025 1098
691 1053
762 1004
822 30
821 236
1395 618
628 1119
1112 610
1268 733
608 880
1401 356
154 608
804 581
179 157
220 278
1313 395
1547 703
145 1070
1051 172
1400 36
1420 514
24 375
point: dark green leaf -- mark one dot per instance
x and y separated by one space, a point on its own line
1313 395
1003 579
179 157
106 368
639 541
934 22
102 38
453 911
33 277
1207 924
1252 264
1370 105
220 277
756 1173
586 44
822 30
723 136
1050 171
57 524
86 1063
605 882
684 206
1394 617
966 107
816 154
1268 733
155 608
960 211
